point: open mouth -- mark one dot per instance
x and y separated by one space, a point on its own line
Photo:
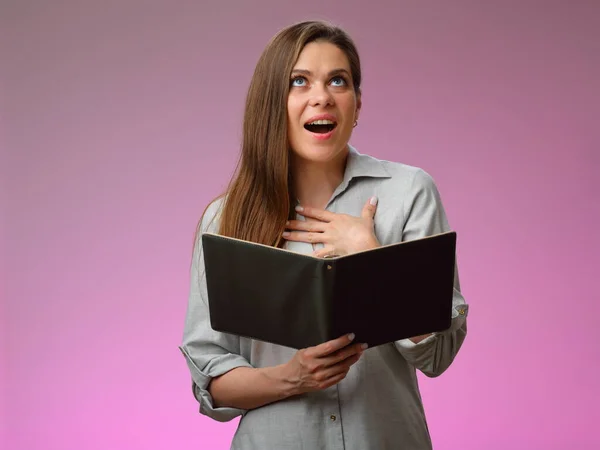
321 126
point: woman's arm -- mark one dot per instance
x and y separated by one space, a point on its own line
208 353
311 369
425 216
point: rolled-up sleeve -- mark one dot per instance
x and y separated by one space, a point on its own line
208 353
425 216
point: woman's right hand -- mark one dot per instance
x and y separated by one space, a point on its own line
322 366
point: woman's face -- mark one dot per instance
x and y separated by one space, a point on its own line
322 104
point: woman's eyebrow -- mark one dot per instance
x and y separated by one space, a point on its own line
330 74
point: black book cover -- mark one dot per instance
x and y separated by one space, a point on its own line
382 295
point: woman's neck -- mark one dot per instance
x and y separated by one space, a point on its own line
314 183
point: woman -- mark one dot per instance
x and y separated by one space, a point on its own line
300 185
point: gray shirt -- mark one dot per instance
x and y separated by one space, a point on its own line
378 405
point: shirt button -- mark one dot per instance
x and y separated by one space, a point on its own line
332 418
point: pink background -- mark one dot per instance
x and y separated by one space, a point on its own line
121 120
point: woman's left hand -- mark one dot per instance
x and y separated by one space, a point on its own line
341 234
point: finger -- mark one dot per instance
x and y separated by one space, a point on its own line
304 236
343 355
315 213
339 369
304 225
332 346
338 376
328 382
345 365
323 252
332 381
368 211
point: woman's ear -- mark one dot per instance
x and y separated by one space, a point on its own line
358 106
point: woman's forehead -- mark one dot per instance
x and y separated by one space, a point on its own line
321 57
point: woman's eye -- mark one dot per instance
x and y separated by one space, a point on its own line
298 81
338 81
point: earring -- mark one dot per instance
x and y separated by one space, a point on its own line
355 123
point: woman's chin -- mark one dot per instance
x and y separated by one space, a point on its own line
319 154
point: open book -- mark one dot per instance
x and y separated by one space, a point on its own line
296 300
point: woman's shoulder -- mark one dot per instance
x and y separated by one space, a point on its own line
397 173
209 221
407 177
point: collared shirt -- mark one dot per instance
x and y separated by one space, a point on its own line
377 406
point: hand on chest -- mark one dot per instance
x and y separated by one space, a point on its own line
329 233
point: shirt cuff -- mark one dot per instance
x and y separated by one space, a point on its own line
201 379
408 344
459 314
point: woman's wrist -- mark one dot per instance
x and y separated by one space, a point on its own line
280 377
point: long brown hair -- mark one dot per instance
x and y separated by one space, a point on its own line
258 200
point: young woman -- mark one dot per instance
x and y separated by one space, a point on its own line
300 185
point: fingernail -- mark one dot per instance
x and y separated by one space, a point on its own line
286 234
299 208
351 336
287 223
364 346
373 201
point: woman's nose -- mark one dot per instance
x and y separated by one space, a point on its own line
320 96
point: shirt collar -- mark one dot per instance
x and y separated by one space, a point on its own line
360 166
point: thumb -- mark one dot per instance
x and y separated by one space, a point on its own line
369 209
